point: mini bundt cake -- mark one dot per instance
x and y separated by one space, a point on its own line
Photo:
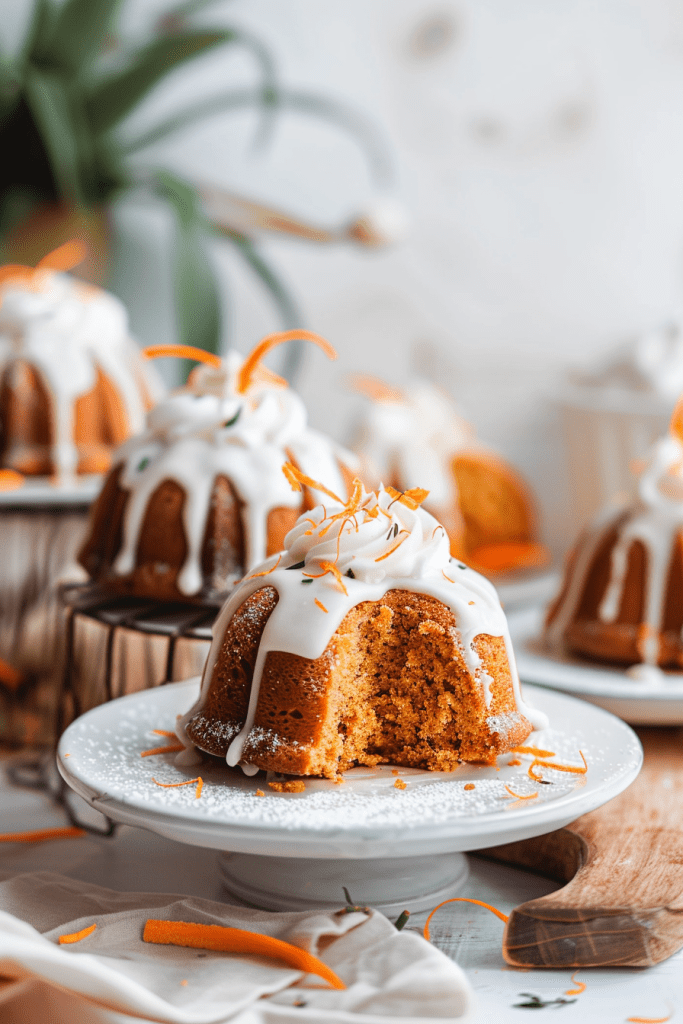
72 383
362 642
199 498
484 504
622 596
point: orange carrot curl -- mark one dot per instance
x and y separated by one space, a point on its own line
76 936
581 986
649 1020
250 364
462 899
394 547
189 782
321 605
328 567
172 748
530 796
296 478
536 751
235 940
267 572
165 732
537 763
200 355
412 498
41 834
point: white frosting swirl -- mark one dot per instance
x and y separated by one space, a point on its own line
65 330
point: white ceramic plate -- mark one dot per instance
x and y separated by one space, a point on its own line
366 817
637 702
41 492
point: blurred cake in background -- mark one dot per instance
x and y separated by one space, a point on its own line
418 435
622 597
198 498
613 414
73 385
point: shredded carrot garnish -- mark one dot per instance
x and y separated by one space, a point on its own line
469 785
536 751
188 782
244 377
412 498
266 572
77 936
537 763
321 605
581 986
235 940
10 480
182 352
375 388
447 577
649 1020
41 834
296 478
515 761
172 748
462 899
165 732
394 547
328 567
10 676
64 257
531 796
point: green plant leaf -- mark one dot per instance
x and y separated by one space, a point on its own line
118 94
366 132
197 302
80 32
49 106
37 42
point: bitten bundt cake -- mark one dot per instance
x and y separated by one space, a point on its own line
362 642
484 504
622 596
72 383
199 498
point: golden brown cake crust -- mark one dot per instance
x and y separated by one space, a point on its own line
391 686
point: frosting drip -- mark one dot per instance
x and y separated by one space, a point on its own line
210 429
65 330
337 557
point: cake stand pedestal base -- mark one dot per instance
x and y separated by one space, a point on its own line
390 884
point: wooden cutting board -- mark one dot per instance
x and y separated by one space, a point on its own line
623 865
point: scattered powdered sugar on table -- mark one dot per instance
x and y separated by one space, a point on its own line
105 748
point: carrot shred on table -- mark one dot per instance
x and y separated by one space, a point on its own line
320 605
187 782
537 763
462 899
41 834
235 940
576 991
200 355
530 796
77 936
170 749
536 751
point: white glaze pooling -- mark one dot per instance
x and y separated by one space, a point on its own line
208 430
656 521
413 438
387 546
65 330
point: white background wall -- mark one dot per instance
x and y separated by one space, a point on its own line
539 147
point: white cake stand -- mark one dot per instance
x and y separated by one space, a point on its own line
392 848
655 702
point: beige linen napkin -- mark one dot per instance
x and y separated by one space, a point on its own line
389 975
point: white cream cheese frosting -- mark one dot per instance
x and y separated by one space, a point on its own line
65 330
339 556
211 429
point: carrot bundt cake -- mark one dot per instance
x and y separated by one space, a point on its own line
199 498
362 642
622 596
72 383
484 504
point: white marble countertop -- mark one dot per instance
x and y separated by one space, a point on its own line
136 860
